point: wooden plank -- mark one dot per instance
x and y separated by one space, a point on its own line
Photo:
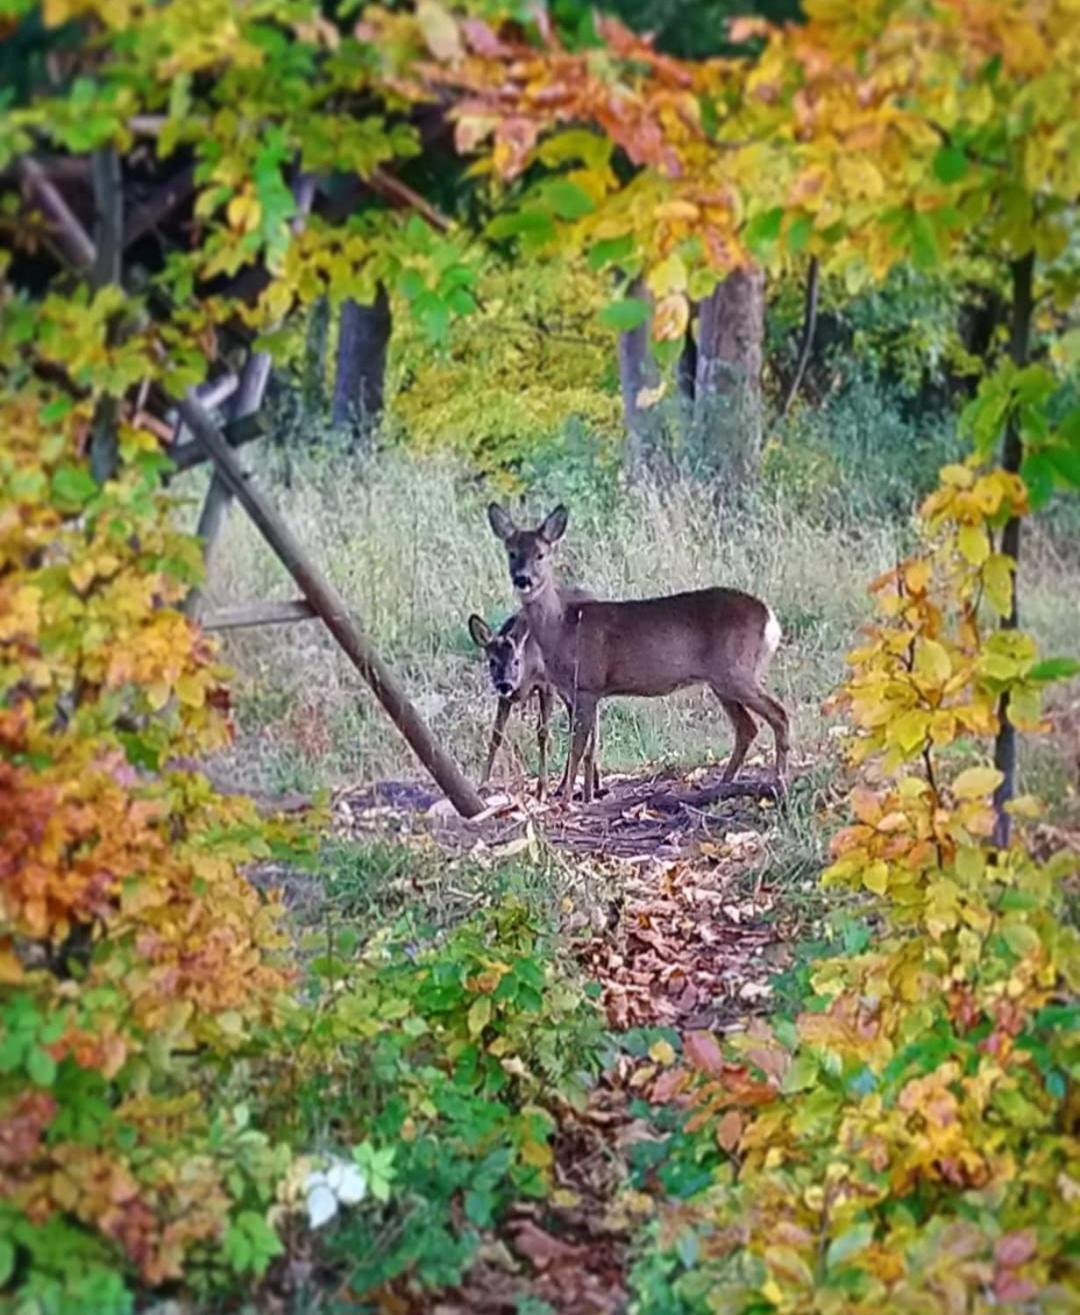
331 607
259 614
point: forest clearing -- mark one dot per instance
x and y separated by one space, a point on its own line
539 657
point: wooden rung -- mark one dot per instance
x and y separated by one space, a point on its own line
259 614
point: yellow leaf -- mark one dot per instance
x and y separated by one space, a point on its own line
997 577
974 543
479 1015
244 212
1025 805
876 877
662 1052
917 575
440 31
157 695
977 782
932 661
909 730
191 691
667 277
959 477
671 318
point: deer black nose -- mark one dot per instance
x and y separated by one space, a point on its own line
520 581
504 687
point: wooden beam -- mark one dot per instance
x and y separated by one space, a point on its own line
330 606
236 433
259 614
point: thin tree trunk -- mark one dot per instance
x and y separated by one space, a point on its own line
727 393
106 269
359 380
810 305
637 370
1011 458
330 606
314 382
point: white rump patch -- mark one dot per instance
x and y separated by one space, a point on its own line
772 634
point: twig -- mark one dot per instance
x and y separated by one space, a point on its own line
810 309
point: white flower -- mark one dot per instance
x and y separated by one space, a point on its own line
341 1183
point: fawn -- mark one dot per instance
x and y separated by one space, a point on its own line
516 668
648 647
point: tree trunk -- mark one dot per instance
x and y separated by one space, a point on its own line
727 389
1011 458
363 340
637 370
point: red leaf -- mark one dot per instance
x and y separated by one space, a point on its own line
703 1052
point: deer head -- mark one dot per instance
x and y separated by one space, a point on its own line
528 552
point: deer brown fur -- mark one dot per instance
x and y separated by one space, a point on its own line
648 647
517 671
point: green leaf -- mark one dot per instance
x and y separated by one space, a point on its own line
73 486
798 233
924 244
610 251
530 223
950 164
710 120
7 1260
1038 474
567 199
848 1243
1066 464
764 229
1059 668
626 314
41 1067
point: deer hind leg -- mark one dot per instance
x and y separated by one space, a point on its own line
593 761
592 776
772 711
543 717
501 714
745 730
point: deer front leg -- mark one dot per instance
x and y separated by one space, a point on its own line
543 718
501 714
581 727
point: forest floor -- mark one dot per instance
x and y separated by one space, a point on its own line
696 927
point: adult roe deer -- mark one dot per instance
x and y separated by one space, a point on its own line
648 647
516 667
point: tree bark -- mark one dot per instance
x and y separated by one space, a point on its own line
1011 458
330 606
363 340
637 370
727 389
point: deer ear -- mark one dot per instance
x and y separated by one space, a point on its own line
480 631
500 522
554 526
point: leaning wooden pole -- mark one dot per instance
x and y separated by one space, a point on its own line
330 607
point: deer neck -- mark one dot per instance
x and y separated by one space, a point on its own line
545 611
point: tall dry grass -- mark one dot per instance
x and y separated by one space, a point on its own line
406 541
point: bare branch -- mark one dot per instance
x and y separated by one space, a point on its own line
70 234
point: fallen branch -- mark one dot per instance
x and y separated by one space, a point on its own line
259 614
